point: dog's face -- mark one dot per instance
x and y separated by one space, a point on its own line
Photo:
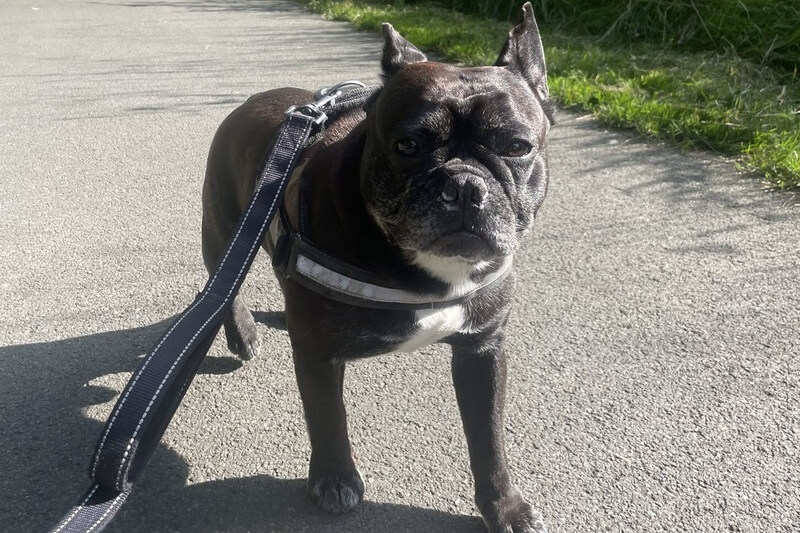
455 162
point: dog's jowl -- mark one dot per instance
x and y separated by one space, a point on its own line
418 198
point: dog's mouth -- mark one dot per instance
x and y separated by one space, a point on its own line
463 244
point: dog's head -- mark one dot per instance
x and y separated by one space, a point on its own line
455 163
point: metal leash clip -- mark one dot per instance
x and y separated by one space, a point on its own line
322 98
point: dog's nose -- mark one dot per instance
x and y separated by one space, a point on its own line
465 191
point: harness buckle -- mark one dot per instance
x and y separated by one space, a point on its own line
328 95
309 110
324 97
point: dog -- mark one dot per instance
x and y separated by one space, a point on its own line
424 194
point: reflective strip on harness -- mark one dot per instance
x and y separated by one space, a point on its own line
298 259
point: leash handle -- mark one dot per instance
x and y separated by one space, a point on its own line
151 397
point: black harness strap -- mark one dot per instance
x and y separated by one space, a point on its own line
298 258
149 400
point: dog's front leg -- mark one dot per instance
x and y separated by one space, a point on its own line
333 479
479 375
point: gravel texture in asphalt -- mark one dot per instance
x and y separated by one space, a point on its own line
653 347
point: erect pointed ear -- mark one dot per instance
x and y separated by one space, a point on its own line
523 53
397 52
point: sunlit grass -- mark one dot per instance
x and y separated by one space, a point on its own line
708 100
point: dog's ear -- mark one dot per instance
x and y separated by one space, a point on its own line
397 52
523 53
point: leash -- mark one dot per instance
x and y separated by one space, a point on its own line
150 399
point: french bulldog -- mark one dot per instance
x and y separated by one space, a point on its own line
428 188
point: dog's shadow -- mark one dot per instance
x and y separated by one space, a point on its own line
46 439
269 505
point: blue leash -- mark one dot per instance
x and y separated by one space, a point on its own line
150 399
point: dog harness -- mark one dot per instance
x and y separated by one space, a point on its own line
149 400
295 256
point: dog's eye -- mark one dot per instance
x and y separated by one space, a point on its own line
518 149
407 146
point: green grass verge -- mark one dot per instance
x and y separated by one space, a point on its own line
764 31
706 100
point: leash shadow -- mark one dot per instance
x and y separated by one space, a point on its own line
47 392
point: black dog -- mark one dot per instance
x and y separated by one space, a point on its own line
421 197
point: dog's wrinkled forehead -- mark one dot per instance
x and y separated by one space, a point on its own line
429 88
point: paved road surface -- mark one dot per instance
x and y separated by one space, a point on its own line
654 382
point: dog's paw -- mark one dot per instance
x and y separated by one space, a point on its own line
513 515
244 347
337 493
241 333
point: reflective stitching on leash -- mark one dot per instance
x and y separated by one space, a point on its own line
67 520
155 351
227 297
119 500
133 384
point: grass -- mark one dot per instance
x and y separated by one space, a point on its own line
764 31
713 100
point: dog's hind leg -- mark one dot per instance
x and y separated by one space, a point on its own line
240 327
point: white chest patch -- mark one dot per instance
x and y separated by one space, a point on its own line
452 271
434 325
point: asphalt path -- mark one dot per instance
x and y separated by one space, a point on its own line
654 343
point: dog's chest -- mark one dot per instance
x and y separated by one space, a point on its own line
432 325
